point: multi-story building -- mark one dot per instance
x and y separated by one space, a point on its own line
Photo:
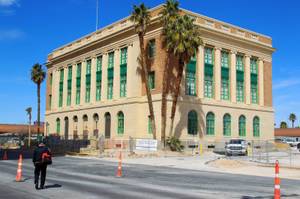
94 85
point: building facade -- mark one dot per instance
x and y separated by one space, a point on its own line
94 85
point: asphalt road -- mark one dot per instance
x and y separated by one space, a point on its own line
77 178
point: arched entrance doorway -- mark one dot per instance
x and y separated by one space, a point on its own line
66 134
75 127
85 127
95 126
107 125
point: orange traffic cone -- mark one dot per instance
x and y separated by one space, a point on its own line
277 181
19 171
5 156
119 173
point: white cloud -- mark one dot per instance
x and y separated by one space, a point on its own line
8 2
286 83
10 34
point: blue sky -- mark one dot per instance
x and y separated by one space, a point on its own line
30 29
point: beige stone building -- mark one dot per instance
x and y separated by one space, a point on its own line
94 85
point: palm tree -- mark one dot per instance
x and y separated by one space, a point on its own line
292 118
140 16
37 76
183 39
169 15
283 125
29 110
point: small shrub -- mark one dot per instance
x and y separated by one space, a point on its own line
174 143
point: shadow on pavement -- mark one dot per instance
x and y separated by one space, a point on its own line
53 186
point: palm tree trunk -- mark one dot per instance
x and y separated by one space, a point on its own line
176 93
29 132
293 123
164 101
145 77
39 107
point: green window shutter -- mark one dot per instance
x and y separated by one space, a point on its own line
123 69
227 125
209 70
225 89
110 73
242 126
192 123
210 124
225 73
253 78
120 123
256 127
61 88
253 65
240 76
254 93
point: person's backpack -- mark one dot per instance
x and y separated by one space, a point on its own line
46 157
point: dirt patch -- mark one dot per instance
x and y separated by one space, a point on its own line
225 163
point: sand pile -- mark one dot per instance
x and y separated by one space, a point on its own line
226 163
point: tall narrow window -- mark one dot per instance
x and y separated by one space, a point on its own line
151 80
120 123
99 78
225 76
110 75
192 123
123 72
256 127
149 125
242 126
151 48
208 73
69 85
61 88
51 79
227 125
190 84
239 78
78 83
210 123
88 81
58 126
50 101
254 90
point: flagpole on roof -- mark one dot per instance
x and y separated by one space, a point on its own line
97 14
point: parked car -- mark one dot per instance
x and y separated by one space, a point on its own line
236 147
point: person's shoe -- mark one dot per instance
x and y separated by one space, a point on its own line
36 186
42 187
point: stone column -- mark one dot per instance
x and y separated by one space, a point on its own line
248 80
93 80
82 86
116 88
104 77
73 91
261 81
200 72
233 76
217 69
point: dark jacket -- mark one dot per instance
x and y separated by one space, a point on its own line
37 153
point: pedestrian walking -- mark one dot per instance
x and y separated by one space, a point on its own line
41 159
